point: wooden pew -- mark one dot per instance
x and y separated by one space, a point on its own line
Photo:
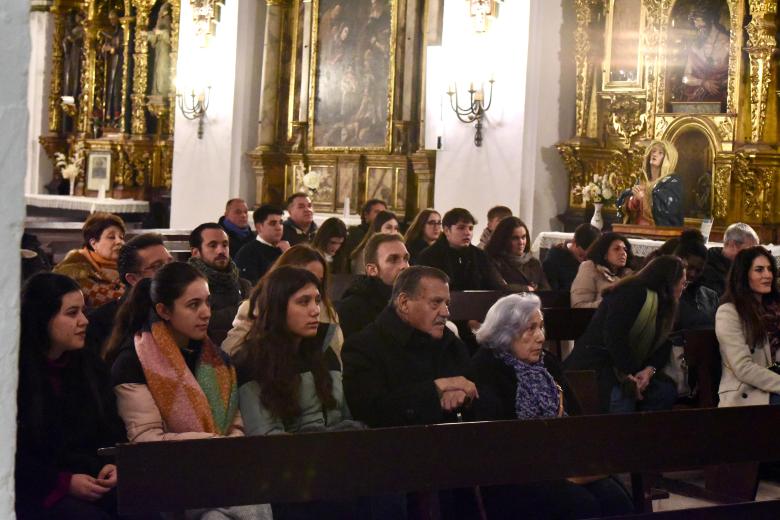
473 305
702 354
174 476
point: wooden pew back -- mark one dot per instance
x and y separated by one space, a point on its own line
173 476
473 305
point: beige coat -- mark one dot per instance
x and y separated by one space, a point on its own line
745 379
143 420
591 279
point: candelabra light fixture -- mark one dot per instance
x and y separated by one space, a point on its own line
193 105
476 108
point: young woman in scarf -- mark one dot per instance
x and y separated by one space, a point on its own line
748 328
517 379
656 199
627 341
66 410
608 261
509 249
170 380
94 265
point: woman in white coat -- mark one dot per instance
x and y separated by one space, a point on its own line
748 328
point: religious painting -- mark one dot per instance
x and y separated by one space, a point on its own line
698 59
388 184
112 54
623 64
694 166
348 174
352 72
99 170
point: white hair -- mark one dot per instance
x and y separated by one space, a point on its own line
507 318
739 233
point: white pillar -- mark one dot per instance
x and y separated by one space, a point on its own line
533 108
39 166
209 171
14 60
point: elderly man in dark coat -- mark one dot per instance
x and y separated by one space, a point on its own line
406 367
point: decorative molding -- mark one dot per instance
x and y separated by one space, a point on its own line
761 46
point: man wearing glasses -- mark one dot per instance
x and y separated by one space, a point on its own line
139 258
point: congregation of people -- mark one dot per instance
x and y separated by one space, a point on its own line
120 343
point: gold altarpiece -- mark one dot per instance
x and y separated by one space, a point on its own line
636 66
342 96
123 99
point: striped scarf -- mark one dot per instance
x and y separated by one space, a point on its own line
205 401
538 395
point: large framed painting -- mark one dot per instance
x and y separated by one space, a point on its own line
387 183
698 57
352 74
623 57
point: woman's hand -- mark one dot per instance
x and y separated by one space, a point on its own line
107 476
642 379
86 488
639 193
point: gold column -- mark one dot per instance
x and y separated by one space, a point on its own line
582 60
141 64
91 69
55 92
657 11
125 21
175 13
760 47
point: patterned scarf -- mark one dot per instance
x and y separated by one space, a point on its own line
227 279
538 395
205 401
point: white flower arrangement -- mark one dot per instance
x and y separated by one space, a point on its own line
601 190
70 167
310 179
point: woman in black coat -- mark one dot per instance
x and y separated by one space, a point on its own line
517 379
66 409
627 341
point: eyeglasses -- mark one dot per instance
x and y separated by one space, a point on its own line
434 223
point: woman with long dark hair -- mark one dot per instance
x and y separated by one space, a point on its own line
291 379
748 328
171 381
509 250
66 410
384 222
608 260
329 241
301 255
424 230
627 341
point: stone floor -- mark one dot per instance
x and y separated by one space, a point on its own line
767 490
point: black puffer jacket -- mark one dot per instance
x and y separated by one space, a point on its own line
361 303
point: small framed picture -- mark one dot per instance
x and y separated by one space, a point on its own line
99 171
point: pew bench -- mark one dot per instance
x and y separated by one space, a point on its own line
175 476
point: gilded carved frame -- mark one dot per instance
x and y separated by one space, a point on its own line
314 64
622 86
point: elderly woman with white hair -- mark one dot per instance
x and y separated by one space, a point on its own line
518 379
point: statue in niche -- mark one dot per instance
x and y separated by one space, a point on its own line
113 57
160 40
72 46
706 73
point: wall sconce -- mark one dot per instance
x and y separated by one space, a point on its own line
476 108
194 105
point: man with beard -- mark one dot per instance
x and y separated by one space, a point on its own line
707 70
386 256
210 250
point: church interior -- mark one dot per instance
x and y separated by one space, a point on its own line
650 126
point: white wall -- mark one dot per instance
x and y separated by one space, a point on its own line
532 109
209 171
14 60
39 166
